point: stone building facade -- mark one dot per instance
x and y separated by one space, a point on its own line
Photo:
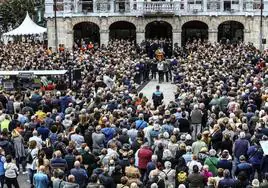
240 19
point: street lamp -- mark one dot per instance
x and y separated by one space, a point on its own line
55 24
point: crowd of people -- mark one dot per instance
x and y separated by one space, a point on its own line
100 131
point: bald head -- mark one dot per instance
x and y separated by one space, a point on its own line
77 164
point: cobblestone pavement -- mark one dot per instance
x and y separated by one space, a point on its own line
167 88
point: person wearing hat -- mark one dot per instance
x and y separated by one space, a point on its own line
244 166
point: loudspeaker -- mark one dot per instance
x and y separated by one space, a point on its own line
77 74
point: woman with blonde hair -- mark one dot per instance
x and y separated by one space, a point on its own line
20 153
43 161
216 137
172 145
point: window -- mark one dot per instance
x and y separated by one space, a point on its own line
59 5
235 2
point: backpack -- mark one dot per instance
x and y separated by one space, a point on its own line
182 177
29 158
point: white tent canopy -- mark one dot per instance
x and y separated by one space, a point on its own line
28 27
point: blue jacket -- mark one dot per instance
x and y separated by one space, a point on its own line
225 164
246 167
241 147
44 132
2 161
109 133
140 124
255 155
226 182
80 175
167 128
64 101
40 180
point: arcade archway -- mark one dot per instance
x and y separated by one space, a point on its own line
232 31
158 30
194 30
86 31
123 30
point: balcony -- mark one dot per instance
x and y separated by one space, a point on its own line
71 8
156 8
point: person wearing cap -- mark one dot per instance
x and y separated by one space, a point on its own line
244 166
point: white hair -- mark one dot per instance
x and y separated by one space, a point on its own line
242 134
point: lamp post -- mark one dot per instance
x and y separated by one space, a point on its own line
55 25
261 28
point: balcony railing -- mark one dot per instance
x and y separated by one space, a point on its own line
158 7
134 7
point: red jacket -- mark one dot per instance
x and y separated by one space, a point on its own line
144 155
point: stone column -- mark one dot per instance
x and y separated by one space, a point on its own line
95 6
176 37
213 35
104 37
140 36
112 6
221 6
247 38
186 6
205 5
51 33
49 7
